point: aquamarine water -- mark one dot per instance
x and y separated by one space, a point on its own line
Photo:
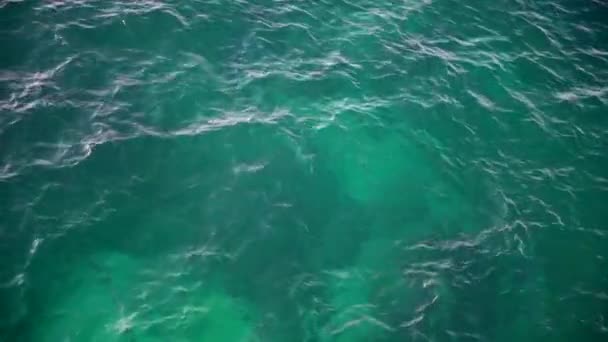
335 170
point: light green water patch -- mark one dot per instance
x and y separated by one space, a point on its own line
114 297
226 321
389 175
209 315
355 312
349 302
369 168
91 303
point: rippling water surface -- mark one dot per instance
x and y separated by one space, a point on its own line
336 170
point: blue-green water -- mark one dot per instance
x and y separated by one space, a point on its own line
337 170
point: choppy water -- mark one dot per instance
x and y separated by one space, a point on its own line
214 170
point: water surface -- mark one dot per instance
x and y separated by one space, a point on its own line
214 170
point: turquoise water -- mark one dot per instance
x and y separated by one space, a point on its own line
344 170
